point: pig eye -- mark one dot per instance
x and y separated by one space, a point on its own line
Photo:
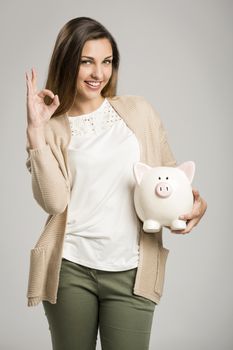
167 178
159 178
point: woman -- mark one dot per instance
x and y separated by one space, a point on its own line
93 265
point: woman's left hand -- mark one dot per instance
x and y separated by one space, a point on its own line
199 208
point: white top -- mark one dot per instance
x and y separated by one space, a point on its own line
102 229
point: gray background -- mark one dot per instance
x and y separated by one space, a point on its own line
178 54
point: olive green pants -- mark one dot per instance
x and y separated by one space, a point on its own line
89 299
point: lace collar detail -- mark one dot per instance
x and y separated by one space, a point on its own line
94 122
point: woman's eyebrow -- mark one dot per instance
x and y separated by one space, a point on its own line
92 58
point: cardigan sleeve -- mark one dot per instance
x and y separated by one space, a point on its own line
167 156
50 188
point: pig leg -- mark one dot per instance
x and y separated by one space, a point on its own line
151 226
178 224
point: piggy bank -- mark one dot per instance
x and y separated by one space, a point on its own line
162 194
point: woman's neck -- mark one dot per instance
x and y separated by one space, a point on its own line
86 106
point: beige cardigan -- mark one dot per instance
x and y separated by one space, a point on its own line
51 178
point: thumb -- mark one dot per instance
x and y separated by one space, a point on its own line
53 106
56 101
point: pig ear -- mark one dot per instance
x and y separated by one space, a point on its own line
139 169
189 169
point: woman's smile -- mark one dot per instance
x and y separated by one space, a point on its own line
93 85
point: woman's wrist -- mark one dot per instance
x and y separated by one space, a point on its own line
36 137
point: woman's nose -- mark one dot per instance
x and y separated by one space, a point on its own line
97 72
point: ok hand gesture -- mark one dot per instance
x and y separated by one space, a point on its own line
38 113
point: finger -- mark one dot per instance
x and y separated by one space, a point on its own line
26 75
29 86
188 216
56 100
53 106
189 226
194 213
196 193
46 92
34 79
177 231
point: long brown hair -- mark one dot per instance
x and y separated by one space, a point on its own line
66 56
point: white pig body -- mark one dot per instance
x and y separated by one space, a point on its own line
162 194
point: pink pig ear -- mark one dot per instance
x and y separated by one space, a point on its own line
139 169
189 169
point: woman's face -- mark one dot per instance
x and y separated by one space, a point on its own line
95 68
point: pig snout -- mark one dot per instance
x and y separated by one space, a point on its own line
163 189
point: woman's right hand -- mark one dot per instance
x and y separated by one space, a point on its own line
38 113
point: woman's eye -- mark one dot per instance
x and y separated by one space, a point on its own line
109 61
88 61
85 61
